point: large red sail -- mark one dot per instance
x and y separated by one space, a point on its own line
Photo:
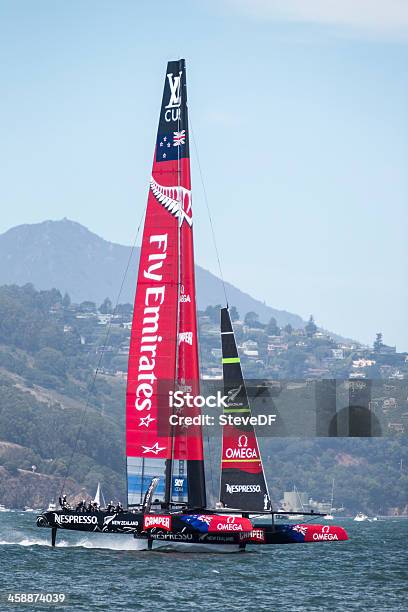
163 345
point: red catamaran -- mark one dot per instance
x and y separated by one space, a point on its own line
165 464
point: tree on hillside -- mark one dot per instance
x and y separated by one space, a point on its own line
272 328
213 312
87 306
252 319
51 335
378 343
125 310
288 329
311 327
66 301
46 299
234 314
106 306
51 361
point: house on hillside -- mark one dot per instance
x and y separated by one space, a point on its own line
277 348
363 363
255 332
249 345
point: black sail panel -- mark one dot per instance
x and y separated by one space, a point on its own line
243 482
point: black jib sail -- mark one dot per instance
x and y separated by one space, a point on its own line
243 482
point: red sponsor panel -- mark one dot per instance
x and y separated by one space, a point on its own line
152 354
222 524
240 450
159 521
322 533
256 535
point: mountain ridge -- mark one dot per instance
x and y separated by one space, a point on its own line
68 256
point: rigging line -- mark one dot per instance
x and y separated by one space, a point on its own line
107 335
173 432
200 368
209 214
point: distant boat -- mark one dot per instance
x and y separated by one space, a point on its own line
360 516
3 508
99 498
329 516
300 507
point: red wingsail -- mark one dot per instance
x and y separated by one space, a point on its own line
163 347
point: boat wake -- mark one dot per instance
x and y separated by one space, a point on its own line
101 543
31 542
107 542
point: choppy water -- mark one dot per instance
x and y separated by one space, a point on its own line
102 572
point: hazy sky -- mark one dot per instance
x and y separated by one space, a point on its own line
300 114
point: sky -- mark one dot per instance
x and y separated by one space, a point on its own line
299 112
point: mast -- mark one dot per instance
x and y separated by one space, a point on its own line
163 349
188 458
170 460
243 483
332 496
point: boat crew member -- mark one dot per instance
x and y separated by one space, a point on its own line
63 502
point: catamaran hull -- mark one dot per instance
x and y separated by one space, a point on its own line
189 528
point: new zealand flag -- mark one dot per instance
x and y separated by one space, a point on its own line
171 146
200 522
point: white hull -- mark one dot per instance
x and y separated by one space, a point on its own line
295 517
361 517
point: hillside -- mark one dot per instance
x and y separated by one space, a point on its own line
66 255
53 419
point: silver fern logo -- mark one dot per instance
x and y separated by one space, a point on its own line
177 200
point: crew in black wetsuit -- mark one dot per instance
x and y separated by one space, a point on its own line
63 502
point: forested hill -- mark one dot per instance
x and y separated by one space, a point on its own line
67 255
48 354
45 374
